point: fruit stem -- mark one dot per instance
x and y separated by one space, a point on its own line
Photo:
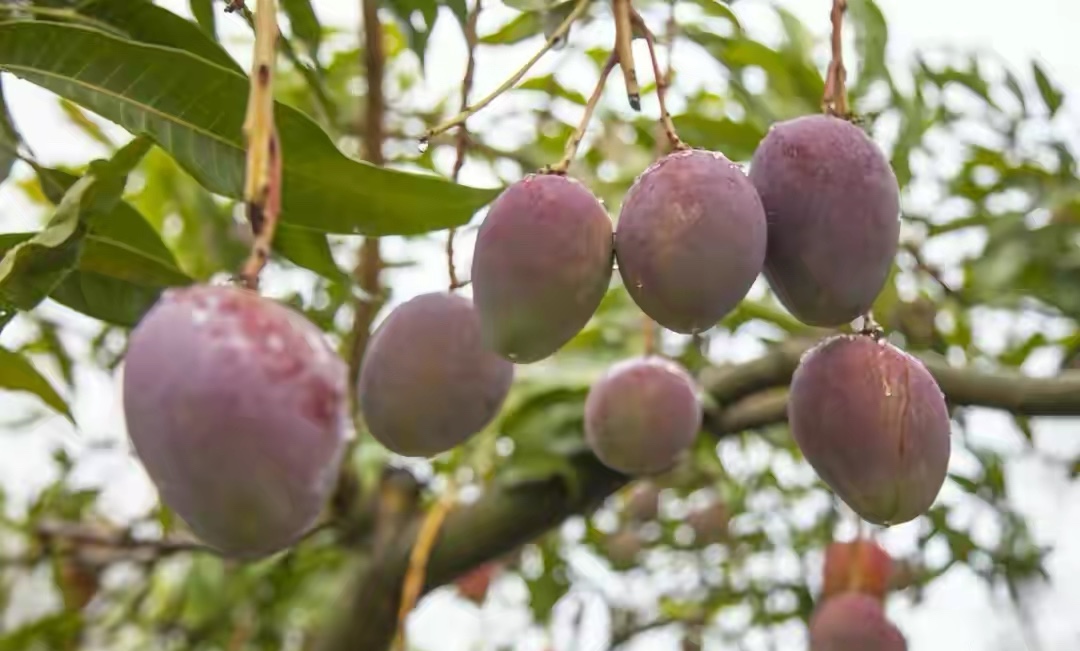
834 100
590 107
555 37
262 183
624 37
663 79
648 328
461 144
870 327
418 559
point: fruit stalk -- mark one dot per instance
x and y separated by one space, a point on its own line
579 134
834 101
461 144
624 36
555 37
262 184
663 78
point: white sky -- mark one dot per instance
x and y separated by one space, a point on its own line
958 612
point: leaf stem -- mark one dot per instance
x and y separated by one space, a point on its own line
461 144
575 139
834 100
662 80
469 111
262 184
624 36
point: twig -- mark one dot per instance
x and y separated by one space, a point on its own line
121 540
662 80
461 144
469 111
575 139
624 38
834 101
369 266
416 573
262 186
648 329
323 102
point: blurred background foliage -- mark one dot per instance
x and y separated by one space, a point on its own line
990 237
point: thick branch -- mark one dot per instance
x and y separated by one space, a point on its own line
499 522
999 389
749 395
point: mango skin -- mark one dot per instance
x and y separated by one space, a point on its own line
642 415
236 406
861 565
854 622
543 261
690 240
872 422
428 383
833 208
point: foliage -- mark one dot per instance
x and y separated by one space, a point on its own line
160 212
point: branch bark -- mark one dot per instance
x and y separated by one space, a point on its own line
748 396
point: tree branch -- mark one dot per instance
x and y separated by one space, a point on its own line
748 395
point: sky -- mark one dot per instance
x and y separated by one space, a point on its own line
957 613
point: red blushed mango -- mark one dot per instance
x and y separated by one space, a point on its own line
872 422
860 565
428 383
642 415
690 239
474 584
854 622
542 263
833 209
236 407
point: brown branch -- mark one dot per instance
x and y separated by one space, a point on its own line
570 151
554 38
834 100
461 142
749 395
111 544
369 266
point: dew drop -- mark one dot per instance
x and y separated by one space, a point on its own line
422 146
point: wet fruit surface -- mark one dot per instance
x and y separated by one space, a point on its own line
542 263
873 423
690 239
833 209
236 406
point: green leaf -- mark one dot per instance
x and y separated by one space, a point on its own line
203 10
121 243
106 299
305 24
519 29
737 140
533 5
9 139
32 269
195 111
18 374
308 249
1051 95
146 22
549 85
404 10
871 43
